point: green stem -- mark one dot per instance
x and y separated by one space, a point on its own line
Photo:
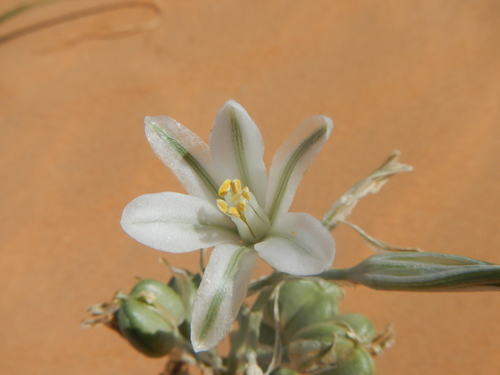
339 274
269 281
266 287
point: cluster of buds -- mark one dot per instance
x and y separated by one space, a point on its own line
149 318
315 337
154 317
301 317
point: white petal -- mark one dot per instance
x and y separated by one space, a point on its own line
176 223
237 149
187 156
221 294
298 244
292 160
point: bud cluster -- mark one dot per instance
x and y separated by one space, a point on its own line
301 314
315 337
150 316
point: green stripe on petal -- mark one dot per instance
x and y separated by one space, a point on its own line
193 163
221 293
239 150
290 166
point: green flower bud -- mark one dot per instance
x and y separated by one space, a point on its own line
161 296
303 303
147 330
320 346
330 347
361 325
420 272
359 363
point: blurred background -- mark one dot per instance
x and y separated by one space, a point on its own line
77 78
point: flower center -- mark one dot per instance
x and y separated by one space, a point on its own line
242 207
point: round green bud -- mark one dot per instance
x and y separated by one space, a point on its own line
149 332
309 347
303 303
168 300
361 325
359 363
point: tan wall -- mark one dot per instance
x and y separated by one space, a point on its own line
419 76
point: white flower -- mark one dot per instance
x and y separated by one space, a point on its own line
233 207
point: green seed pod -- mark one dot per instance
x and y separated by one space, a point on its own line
361 325
149 332
320 346
168 300
329 346
359 363
303 303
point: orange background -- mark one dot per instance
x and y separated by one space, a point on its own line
419 76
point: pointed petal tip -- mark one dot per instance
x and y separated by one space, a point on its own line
232 103
199 346
152 120
149 121
327 122
231 106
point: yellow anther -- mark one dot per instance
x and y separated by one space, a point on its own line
222 205
235 187
246 193
241 206
234 211
225 188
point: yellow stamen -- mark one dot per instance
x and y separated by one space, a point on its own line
235 187
246 193
234 211
225 188
222 205
241 206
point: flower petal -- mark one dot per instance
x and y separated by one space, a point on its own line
298 244
237 149
292 160
176 223
221 294
187 156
